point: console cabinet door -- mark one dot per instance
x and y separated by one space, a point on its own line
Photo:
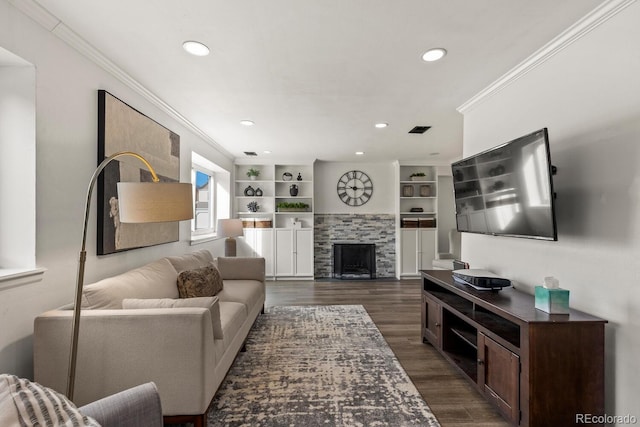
499 376
432 319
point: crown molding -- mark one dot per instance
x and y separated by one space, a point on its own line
56 27
36 12
589 22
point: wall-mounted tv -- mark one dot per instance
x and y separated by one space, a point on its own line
507 190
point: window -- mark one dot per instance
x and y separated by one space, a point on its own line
204 211
211 196
17 159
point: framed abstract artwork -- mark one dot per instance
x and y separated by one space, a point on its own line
123 128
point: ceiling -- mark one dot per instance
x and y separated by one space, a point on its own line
315 76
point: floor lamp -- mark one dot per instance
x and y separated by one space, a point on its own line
138 202
230 228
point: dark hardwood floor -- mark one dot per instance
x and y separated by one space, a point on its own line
394 306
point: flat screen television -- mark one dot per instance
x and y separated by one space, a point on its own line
507 190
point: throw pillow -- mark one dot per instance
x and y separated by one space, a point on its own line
25 403
154 280
205 302
191 261
201 282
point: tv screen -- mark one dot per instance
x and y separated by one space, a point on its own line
507 190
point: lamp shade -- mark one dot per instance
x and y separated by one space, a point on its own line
229 228
140 202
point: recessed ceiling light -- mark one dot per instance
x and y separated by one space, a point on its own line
267 152
434 54
381 125
247 123
195 48
359 153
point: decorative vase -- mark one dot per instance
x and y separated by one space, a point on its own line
287 176
299 178
293 190
258 192
249 191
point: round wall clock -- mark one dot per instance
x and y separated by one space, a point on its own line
355 188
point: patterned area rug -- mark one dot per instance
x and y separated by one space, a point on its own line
318 366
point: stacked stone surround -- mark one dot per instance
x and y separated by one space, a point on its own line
355 228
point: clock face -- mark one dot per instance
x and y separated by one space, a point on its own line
355 188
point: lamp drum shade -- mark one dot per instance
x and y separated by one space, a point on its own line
141 202
230 228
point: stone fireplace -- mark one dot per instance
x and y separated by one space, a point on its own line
376 229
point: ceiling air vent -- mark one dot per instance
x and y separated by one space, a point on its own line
420 129
250 153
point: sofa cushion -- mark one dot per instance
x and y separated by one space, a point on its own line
205 302
247 292
26 403
191 261
200 282
154 280
232 316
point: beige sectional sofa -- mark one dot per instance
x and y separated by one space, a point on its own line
185 351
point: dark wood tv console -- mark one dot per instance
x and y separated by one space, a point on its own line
538 369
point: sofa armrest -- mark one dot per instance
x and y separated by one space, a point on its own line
119 349
243 268
135 407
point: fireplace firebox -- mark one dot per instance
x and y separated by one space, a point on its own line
354 260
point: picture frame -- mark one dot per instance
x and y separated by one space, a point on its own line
123 128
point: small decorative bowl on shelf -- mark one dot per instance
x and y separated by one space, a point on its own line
418 176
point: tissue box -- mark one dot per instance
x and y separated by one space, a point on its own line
553 301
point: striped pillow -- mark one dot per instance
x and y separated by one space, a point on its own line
26 403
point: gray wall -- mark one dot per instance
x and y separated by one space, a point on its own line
587 96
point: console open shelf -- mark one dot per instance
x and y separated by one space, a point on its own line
523 360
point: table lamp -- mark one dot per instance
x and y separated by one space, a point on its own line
229 228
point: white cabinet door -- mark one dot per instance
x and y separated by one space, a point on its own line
409 251
303 252
417 250
263 247
284 252
427 248
258 242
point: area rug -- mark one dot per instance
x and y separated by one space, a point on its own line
318 366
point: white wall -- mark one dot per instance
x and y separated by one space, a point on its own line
17 166
66 150
587 96
446 212
325 181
